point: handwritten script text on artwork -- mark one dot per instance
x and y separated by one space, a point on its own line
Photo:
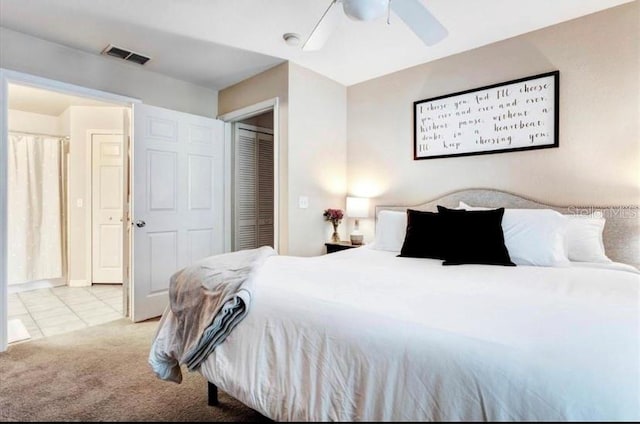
512 116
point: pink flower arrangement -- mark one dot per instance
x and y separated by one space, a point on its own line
333 215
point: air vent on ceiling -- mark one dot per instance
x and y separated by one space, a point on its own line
124 54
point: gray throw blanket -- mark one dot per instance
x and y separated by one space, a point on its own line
206 301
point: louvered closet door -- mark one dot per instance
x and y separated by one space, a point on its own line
246 191
254 190
265 189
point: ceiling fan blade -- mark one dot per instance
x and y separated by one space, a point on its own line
324 28
420 20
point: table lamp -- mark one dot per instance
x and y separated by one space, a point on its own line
357 207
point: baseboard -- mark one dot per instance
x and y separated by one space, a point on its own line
35 285
79 283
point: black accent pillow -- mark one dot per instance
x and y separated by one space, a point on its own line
425 237
474 237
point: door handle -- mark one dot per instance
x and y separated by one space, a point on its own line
139 223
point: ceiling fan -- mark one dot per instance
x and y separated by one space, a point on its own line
412 12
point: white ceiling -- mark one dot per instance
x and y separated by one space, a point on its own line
191 39
29 99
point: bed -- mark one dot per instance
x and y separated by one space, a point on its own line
365 335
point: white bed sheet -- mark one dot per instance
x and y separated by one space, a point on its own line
364 335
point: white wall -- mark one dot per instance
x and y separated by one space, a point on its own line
82 119
19 120
317 158
65 122
598 161
24 53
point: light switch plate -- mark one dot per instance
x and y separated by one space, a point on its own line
79 203
303 202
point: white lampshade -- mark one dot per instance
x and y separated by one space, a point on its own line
357 207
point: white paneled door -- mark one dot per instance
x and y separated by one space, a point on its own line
177 200
106 207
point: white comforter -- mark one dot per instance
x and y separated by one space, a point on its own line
364 335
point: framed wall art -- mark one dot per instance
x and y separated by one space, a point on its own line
511 116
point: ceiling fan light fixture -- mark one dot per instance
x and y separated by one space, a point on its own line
412 12
365 10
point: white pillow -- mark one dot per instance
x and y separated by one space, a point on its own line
584 238
533 236
390 230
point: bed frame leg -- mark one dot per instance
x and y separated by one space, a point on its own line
212 391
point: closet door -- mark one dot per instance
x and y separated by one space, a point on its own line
254 190
246 212
265 189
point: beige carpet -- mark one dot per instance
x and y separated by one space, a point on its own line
101 374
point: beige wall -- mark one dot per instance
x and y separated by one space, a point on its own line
19 120
24 53
598 161
271 83
264 120
81 120
317 157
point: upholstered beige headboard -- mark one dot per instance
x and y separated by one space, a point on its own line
621 231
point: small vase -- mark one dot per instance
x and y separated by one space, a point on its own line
335 237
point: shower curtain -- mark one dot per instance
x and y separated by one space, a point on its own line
35 208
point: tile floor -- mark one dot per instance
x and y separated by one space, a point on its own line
46 312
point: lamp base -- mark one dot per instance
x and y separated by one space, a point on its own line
356 239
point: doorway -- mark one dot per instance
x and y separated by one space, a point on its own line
65 203
174 201
252 217
254 182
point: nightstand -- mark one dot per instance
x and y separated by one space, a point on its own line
341 245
